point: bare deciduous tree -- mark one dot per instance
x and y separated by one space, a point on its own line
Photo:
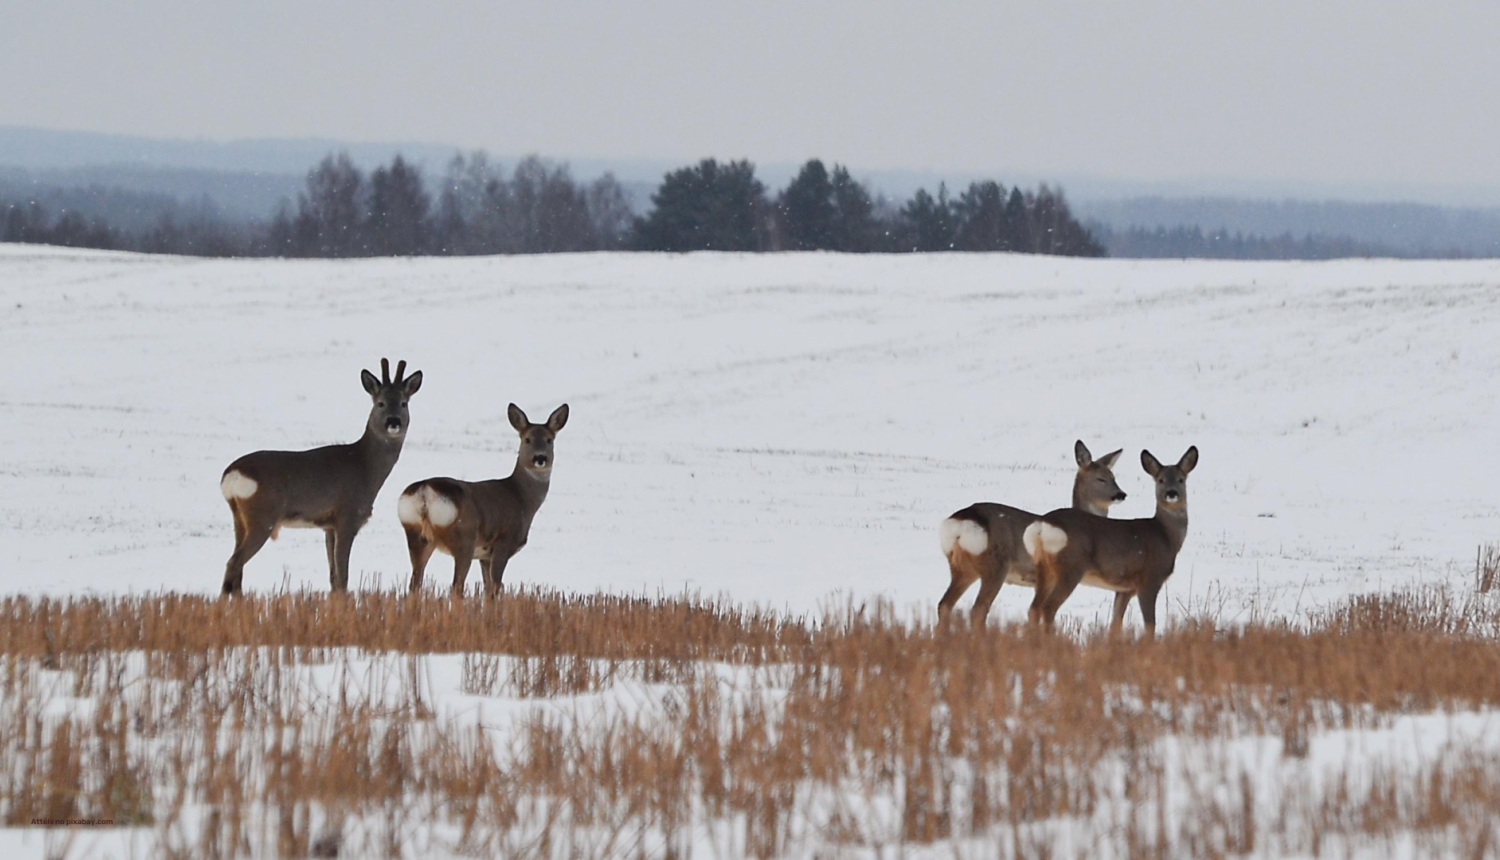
330 212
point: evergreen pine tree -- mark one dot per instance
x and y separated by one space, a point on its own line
706 207
854 224
805 210
980 215
1016 235
928 221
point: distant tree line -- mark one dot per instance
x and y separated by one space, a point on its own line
30 222
537 207
1221 244
1400 229
172 228
722 207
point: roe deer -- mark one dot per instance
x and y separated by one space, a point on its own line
983 541
1128 557
331 488
487 520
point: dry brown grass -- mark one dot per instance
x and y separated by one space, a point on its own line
525 622
1487 568
749 733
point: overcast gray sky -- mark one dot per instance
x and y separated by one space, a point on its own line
1339 92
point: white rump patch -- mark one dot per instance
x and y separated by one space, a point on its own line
426 505
440 509
409 509
968 535
1043 538
237 485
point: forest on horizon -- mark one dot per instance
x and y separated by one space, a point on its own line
478 207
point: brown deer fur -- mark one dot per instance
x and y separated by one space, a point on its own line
487 520
1003 558
1129 557
332 488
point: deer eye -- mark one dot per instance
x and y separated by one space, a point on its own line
381 404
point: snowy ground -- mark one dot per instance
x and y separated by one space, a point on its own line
1206 777
778 428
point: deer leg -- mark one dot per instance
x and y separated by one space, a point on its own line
1046 580
989 587
1122 602
330 543
255 537
420 549
485 574
962 577
1062 588
338 571
1147 599
498 561
463 556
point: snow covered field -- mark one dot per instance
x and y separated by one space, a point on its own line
787 430
777 428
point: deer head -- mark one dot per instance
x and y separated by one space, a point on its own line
1095 488
1171 481
388 416
536 439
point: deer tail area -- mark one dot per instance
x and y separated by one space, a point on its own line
962 534
423 506
1042 538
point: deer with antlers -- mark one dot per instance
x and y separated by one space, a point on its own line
332 488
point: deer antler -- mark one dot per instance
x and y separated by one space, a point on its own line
400 371
385 371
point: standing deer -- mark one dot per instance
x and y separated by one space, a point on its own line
331 488
487 520
983 541
1128 557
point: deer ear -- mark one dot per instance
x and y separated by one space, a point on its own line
517 418
412 383
368 380
558 418
1189 460
1082 455
1150 463
1108 460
